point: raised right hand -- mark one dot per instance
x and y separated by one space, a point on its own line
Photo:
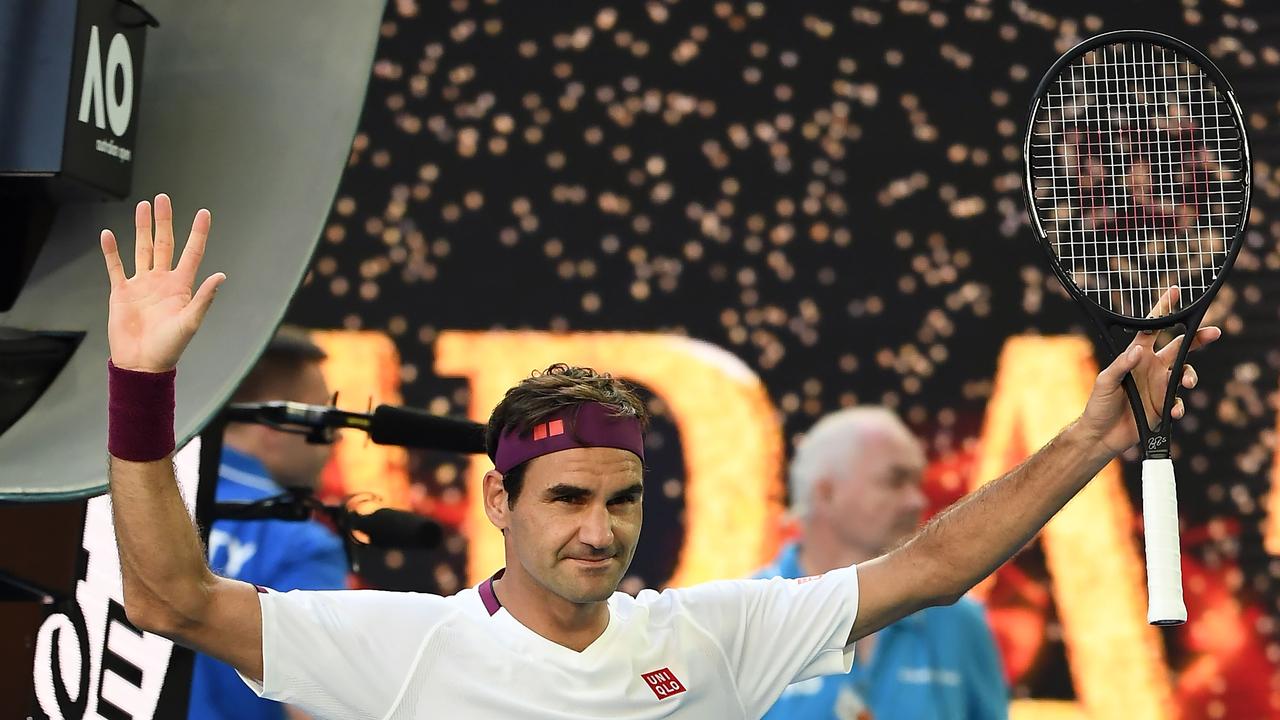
1107 417
153 314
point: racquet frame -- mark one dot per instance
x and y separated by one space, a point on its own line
1155 442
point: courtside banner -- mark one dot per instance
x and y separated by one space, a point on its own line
90 662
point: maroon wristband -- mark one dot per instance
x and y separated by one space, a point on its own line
139 414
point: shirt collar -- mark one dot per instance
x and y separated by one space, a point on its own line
487 596
246 469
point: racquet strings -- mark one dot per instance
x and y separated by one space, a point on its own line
1137 173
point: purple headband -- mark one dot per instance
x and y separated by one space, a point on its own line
588 425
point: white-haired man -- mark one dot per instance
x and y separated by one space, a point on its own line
856 491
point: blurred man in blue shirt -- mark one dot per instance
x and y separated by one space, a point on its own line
259 462
856 491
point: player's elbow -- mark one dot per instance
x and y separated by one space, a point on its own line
950 588
950 598
946 585
148 617
925 578
162 621
173 617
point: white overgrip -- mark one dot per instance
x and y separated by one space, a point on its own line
1164 558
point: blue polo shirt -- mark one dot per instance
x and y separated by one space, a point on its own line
938 664
280 554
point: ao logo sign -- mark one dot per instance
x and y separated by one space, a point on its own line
100 86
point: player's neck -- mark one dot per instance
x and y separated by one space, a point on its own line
573 625
820 551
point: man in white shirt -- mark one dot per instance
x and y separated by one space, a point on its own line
548 637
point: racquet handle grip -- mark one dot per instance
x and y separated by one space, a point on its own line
1164 557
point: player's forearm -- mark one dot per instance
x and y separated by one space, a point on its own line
975 536
166 580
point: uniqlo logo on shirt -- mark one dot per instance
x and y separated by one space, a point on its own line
663 683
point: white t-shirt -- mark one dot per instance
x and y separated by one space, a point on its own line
724 649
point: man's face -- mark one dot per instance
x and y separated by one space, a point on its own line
575 523
876 502
290 459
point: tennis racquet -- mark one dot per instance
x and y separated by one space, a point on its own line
1137 185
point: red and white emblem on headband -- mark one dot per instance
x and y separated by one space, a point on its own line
542 431
586 425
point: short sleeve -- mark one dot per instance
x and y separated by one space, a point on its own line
343 653
777 632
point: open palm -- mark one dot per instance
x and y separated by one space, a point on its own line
153 315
